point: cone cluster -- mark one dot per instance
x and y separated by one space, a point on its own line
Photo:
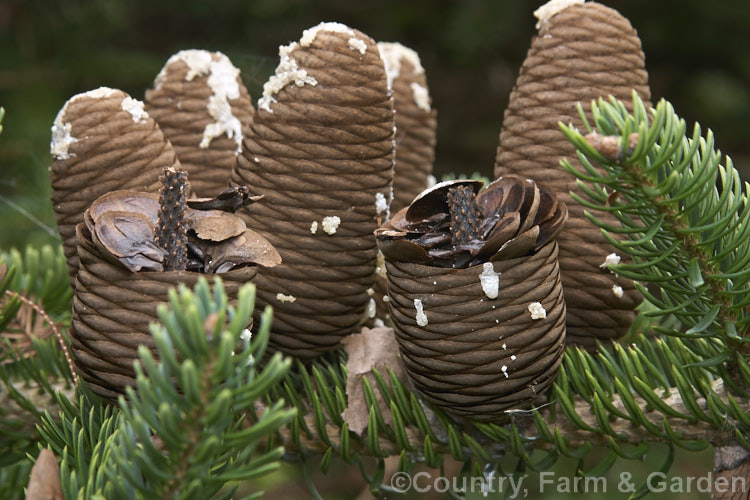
325 134
343 136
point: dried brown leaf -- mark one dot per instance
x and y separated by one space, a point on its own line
373 348
44 482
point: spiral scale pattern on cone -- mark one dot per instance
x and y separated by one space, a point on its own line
582 53
102 141
204 110
320 150
459 356
112 309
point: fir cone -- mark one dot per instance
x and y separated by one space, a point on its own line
475 294
102 141
320 150
203 108
416 123
581 52
133 247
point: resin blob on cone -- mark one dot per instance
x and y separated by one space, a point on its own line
320 149
582 52
102 141
203 108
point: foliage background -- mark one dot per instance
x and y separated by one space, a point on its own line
697 54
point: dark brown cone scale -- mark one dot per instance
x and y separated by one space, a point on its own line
204 109
416 123
99 146
582 53
112 309
320 153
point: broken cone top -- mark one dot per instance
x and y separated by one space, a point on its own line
121 224
457 224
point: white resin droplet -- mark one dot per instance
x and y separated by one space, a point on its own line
61 130
610 260
223 81
549 9
286 72
490 280
358 44
537 310
285 298
135 108
308 36
421 317
421 96
392 54
331 224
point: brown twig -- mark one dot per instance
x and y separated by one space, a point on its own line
52 325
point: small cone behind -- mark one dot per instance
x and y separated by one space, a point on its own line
416 123
102 141
203 108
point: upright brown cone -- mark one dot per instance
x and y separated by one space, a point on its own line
132 250
416 123
203 108
582 52
475 294
102 141
320 150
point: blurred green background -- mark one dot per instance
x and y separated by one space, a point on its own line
697 54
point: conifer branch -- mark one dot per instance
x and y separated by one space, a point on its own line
684 216
182 432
